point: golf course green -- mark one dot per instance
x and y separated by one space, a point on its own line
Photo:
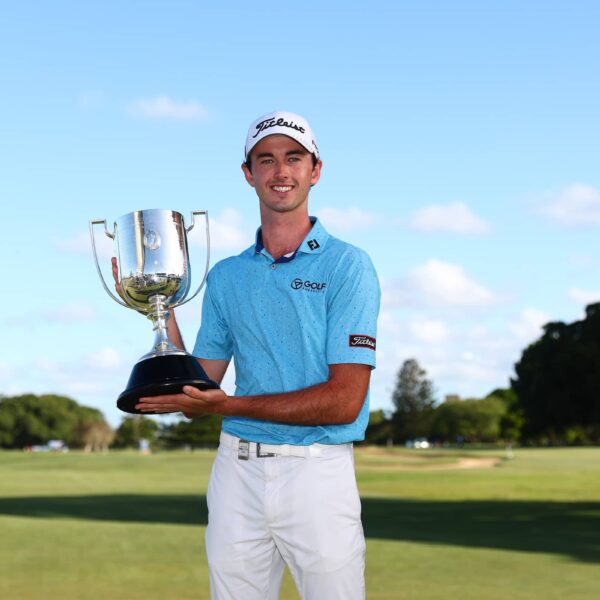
451 524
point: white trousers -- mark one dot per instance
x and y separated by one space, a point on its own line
267 512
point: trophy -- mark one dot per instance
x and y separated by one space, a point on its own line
154 276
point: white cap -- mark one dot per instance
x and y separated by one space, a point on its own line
282 123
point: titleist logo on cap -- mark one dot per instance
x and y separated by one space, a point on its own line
285 123
362 341
260 127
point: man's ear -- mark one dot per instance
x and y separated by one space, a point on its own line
316 173
248 174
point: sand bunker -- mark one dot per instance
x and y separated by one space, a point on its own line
382 459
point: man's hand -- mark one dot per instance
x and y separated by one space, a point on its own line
336 401
192 402
115 272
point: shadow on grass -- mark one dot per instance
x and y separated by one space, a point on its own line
567 528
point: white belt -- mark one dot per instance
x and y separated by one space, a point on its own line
245 448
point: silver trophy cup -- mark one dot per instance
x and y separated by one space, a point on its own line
154 276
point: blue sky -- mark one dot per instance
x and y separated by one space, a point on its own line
460 145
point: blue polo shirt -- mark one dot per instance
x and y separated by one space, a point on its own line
285 321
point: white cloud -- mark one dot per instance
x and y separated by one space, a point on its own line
389 323
103 372
70 374
57 374
395 293
75 388
456 217
528 326
445 283
6 372
93 380
584 296
577 204
163 107
347 219
74 311
228 232
458 357
436 283
81 243
477 333
467 369
105 358
428 330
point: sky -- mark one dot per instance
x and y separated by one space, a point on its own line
460 143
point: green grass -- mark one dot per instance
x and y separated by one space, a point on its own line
126 526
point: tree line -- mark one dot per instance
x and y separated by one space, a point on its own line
554 398
30 421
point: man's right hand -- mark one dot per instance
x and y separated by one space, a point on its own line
115 272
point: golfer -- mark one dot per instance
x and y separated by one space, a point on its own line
297 312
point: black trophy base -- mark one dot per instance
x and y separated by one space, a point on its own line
158 375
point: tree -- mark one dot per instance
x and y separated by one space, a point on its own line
513 420
133 429
94 436
29 420
414 401
558 380
379 429
473 420
198 433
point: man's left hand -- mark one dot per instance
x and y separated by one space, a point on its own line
191 402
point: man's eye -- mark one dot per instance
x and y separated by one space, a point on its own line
266 161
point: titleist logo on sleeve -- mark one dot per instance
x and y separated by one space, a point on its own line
362 341
277 123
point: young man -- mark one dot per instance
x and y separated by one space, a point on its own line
297 311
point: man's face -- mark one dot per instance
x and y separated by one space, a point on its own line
282 172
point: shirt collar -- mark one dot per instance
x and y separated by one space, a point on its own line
316 238
313 243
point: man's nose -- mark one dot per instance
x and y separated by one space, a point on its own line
281 170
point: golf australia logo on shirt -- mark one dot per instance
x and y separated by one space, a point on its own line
362 341
308 286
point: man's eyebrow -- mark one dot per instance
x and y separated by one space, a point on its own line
300 151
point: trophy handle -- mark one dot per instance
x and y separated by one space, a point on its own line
112 237
188 229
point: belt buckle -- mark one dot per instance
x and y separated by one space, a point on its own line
243 450
259 454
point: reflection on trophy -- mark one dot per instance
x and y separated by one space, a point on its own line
154 276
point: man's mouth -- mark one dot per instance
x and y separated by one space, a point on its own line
282 188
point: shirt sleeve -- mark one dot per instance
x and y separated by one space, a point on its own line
214 340
353 307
